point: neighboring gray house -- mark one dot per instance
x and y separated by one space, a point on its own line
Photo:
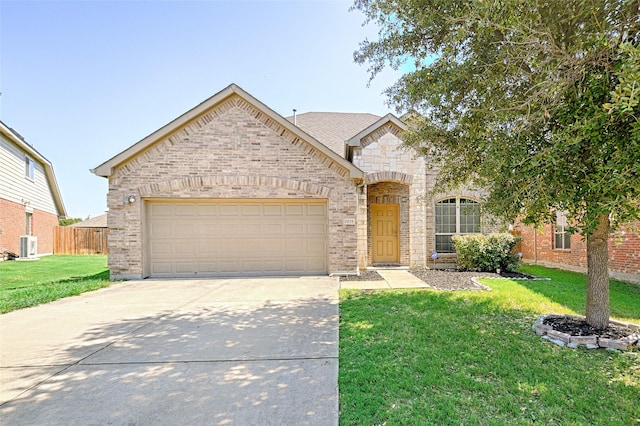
233 188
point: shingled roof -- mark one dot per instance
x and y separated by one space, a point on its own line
333 129
94 222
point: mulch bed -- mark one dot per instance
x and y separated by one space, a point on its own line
442 279
579 327
364 276
452 279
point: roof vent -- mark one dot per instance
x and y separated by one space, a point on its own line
294 116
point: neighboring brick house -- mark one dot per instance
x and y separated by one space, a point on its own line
552 246
233 188
30 200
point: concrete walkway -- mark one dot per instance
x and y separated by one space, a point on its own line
176 352
393 278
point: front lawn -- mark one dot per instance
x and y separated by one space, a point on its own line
30 283
432 357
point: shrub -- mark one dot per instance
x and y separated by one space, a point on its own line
487 252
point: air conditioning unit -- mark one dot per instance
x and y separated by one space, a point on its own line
28 246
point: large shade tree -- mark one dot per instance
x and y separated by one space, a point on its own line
537 101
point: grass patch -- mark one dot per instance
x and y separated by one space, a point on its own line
431 357
569 289
30 283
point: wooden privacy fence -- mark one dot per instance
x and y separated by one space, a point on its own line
71 240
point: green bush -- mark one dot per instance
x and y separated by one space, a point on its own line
487 252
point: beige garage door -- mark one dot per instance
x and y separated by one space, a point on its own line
236 238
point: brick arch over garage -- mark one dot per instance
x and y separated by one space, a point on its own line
388 176
233 180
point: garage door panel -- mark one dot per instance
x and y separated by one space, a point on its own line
184 210
273 266
293 247
296 265
207 247
273 210
316 210
316 264
185 229
208 267
161 229
316 247
272 228
185 267
251 210
294 229
161 268
317 229
252 229
185 248
235 238
294 209
229 210
229 266
228 230
161 247
159 210
207 230
207 210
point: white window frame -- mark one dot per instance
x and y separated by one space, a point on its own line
29 168
561 237
458 202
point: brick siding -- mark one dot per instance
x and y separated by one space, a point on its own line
13 225
232 151
624 250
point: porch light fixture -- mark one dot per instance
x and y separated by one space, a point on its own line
131 199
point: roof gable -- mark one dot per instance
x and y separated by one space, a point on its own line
387 124
270 119
14 137
389 121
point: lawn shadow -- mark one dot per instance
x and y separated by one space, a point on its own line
103 275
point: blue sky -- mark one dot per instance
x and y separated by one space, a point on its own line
83 80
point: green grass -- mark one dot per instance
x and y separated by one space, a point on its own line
430 357
30 283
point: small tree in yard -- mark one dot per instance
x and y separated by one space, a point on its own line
536 101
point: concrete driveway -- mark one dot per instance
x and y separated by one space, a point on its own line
176 352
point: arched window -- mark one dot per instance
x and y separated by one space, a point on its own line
455 216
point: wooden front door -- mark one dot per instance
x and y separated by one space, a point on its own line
384 227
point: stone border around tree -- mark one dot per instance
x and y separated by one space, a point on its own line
590 342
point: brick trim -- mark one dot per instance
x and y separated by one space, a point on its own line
379 132
215 113
388 176
152 189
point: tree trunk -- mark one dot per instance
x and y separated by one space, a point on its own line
598 275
